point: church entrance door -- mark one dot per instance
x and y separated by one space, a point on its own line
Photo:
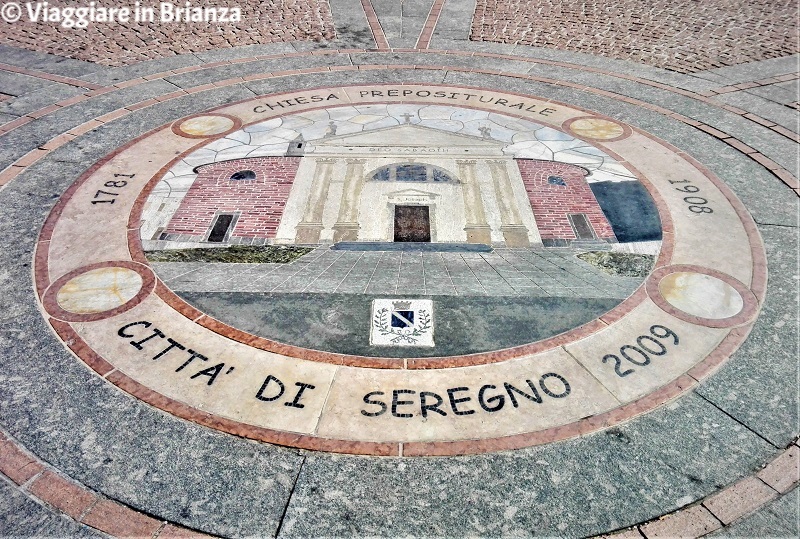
412 223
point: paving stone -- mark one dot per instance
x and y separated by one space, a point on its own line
18 465
5 118
766 109
48 63
455 20
753 184
538 491
244 51
775 146
21 141
142 69
17 84
198 78
589 31
352 29
770 408
778 93
105 44
120 521
62 494
39 99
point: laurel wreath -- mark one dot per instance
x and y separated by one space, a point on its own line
405 334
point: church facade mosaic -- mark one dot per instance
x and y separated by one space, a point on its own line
351 173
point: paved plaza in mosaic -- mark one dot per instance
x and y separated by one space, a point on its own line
501 273
428 268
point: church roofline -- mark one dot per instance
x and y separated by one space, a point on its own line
475 140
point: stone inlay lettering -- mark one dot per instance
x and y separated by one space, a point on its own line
463 400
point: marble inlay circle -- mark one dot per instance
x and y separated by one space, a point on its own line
99 290
206 125
701 295
597 128
419 237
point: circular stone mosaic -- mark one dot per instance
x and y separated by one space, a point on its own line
401 270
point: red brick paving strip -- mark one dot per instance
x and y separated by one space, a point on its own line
120 521
64 495
680 35
740 499
374 25
120 44
783 472
693 522
18 465
758 83
425 36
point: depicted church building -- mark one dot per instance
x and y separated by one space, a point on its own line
401 184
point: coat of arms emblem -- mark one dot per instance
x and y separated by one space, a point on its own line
402 322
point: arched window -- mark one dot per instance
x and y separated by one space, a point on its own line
412 172
243 175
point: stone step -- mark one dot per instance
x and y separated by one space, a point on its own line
590 245
412 246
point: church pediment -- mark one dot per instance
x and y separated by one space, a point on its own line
408 136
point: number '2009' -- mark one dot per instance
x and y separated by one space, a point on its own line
646 346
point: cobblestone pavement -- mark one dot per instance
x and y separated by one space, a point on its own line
684 35
80 457
128 43
510 272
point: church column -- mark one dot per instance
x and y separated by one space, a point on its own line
514 232
477 228
310 228
346 227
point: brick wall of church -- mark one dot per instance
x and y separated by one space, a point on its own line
261 201
556 190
